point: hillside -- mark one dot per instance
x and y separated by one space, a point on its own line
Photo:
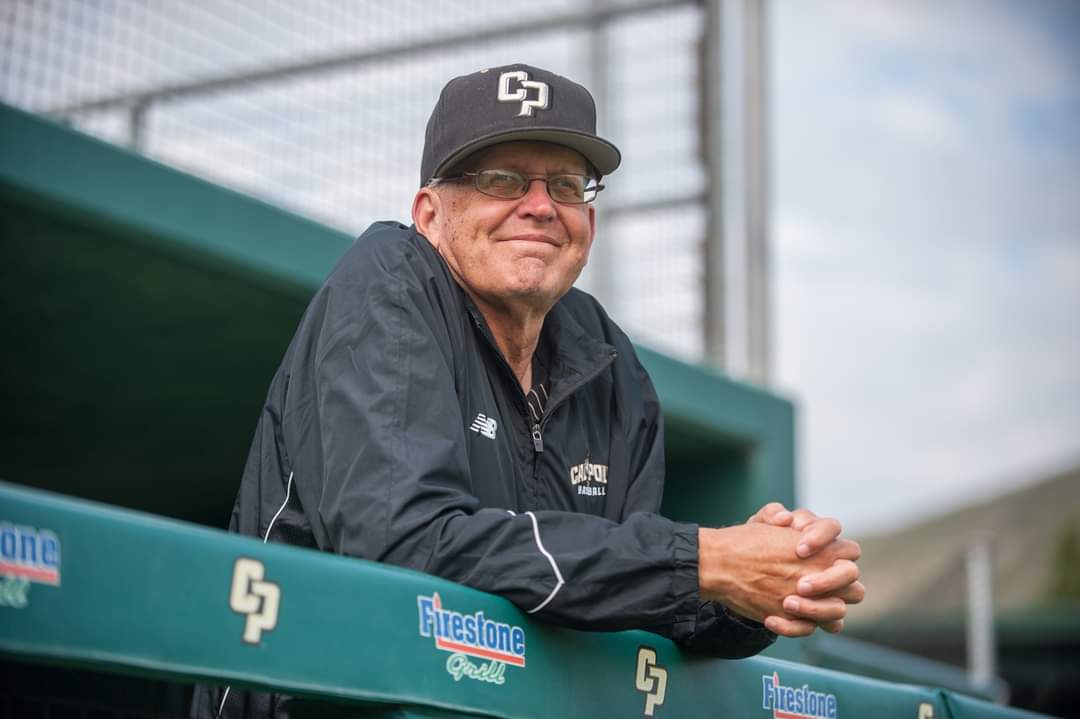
920 569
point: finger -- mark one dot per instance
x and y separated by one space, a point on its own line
842 549
829 609
852 593
790 627
833 580
773 513
803 518
816 535
768 513
833 627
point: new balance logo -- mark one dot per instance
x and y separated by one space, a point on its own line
650 679
485 426
254 597
521 92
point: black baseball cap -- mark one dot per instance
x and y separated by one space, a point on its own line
512 102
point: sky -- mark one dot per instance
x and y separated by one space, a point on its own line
926 230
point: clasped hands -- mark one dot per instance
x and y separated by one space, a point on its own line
787 569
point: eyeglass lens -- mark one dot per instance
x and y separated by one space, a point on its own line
572 189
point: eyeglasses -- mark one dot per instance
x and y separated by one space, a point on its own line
566 189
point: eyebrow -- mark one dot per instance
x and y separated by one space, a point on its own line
514 167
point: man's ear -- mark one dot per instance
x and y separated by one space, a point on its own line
427 209
591 209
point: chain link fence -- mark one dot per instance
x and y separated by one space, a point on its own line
319 106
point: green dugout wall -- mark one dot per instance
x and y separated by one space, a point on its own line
143 314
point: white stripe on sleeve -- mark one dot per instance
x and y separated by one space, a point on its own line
551 561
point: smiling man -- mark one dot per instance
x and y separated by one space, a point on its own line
451 404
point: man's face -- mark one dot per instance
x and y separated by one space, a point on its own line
505 252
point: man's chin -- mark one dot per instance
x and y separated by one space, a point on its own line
539 293
529 277
534 294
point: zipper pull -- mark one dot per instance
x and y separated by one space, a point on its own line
538 438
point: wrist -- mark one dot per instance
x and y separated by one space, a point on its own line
714 579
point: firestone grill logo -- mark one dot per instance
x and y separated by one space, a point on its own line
30 554
795 702
471 635
27 556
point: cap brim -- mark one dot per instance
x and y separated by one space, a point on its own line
600 153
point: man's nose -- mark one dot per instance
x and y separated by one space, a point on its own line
537 202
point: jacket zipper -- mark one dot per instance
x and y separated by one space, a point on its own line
538 427
534 427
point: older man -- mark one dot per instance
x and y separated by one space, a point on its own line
451 404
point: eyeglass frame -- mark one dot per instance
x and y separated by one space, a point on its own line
529 179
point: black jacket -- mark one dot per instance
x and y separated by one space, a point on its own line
398 432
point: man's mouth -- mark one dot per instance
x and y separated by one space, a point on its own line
533 237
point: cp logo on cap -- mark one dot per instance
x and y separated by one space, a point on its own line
521 93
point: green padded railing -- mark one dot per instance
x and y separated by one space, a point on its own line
90 585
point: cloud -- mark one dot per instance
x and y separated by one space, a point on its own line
916 118
927 249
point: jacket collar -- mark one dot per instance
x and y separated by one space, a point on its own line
573 351
573 355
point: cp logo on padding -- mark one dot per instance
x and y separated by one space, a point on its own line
650 679
254 597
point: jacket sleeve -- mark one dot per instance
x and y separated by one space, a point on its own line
381 467
703 627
